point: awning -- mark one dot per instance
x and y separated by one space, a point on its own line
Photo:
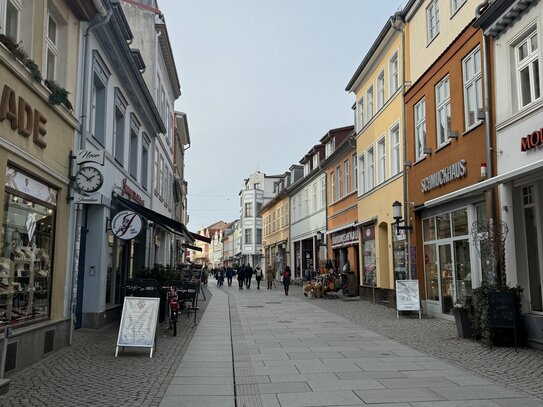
483 186
347 226
169 224
191 247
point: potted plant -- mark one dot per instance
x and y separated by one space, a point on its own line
462 317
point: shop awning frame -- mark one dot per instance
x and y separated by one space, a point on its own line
191 247
483 186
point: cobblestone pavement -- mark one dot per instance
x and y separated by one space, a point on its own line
88 374
522 370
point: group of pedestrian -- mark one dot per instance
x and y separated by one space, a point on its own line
245 274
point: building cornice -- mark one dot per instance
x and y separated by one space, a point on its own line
169 61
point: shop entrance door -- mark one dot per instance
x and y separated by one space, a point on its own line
533 249
447 278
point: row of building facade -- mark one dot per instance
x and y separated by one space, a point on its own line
445 150
62 267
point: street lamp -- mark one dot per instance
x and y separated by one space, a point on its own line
397 215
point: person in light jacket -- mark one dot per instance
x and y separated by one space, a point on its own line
269 276
258 275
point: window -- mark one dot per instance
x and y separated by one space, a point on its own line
161 176
332 187
455 5
355 172
306 206
258 208
432 20
51 49
420 129
249 210
527 66
307 168
119 135
473 87
330 147
145 161
98 110
323 193
257 185
258 236
381 160
394 150
314 188
360 114
294 217
346 184
370 172
9 18
133 153
394 77
380 90
443 113
362 176
369 100
273 221
338 182
248 236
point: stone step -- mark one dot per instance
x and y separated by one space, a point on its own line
535 343
4 386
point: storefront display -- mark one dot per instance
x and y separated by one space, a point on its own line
398 251
369 256
27 239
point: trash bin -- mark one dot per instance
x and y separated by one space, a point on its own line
352 285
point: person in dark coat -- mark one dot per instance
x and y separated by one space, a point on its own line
229 273
286 279
248 276
241 276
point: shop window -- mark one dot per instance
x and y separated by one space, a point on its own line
443 111
398 251
430 267
429 229
420 129
473 87
443 225
369 257
460 222
27 240
527 67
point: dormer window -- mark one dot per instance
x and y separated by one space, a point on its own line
307 168
315 161
330 147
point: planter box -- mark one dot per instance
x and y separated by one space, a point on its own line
463 324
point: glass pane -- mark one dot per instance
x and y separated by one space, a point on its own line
398 250
429 229
477 61
430 267
443 223
50 65
446 271
533 42
460 222
535 71
52 33
525 86
468 66
369 261
532 251
470 119
463 269
523 51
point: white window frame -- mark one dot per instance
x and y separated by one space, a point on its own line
380 90
381 160
17 4
395 151
360 114
332 187
474 82
369 103
432 20
419 113
316 160
370 168
528 63
443 106
362 175
323 192
346 180
456 5
338 182
51 46
393 73
354 172
314 203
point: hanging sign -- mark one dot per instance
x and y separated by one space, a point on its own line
89 156
138 323
126 225
97 199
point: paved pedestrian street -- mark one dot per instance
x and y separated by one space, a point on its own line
262 348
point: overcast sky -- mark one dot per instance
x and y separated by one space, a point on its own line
262 81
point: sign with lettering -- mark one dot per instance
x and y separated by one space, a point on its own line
501 309
407 295
97 199
138 323
445 175
22 117
21 182
126 225
345 237
130 193
533 140
88 156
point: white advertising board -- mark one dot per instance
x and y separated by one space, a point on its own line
138 323
407 296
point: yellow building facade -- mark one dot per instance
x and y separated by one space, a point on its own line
275 233
378 84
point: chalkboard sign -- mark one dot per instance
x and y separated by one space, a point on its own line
501 309
141 287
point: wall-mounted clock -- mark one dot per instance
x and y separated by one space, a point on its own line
89 179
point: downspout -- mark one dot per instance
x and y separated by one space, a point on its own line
398 17
106 15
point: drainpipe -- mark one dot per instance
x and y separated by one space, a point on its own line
400 28
106 15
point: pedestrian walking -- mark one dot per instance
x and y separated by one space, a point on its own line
241 276
229 273
270 276
286 279
205 276
221 277
248 276
258 275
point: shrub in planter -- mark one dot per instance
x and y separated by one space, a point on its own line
59 95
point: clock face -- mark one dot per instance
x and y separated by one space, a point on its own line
89 179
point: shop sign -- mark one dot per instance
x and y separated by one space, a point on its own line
130 193
97 199
88 156
23 118
533 140
29 186
138 323
345 237
445 175
126 225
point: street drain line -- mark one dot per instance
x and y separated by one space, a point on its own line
246 393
